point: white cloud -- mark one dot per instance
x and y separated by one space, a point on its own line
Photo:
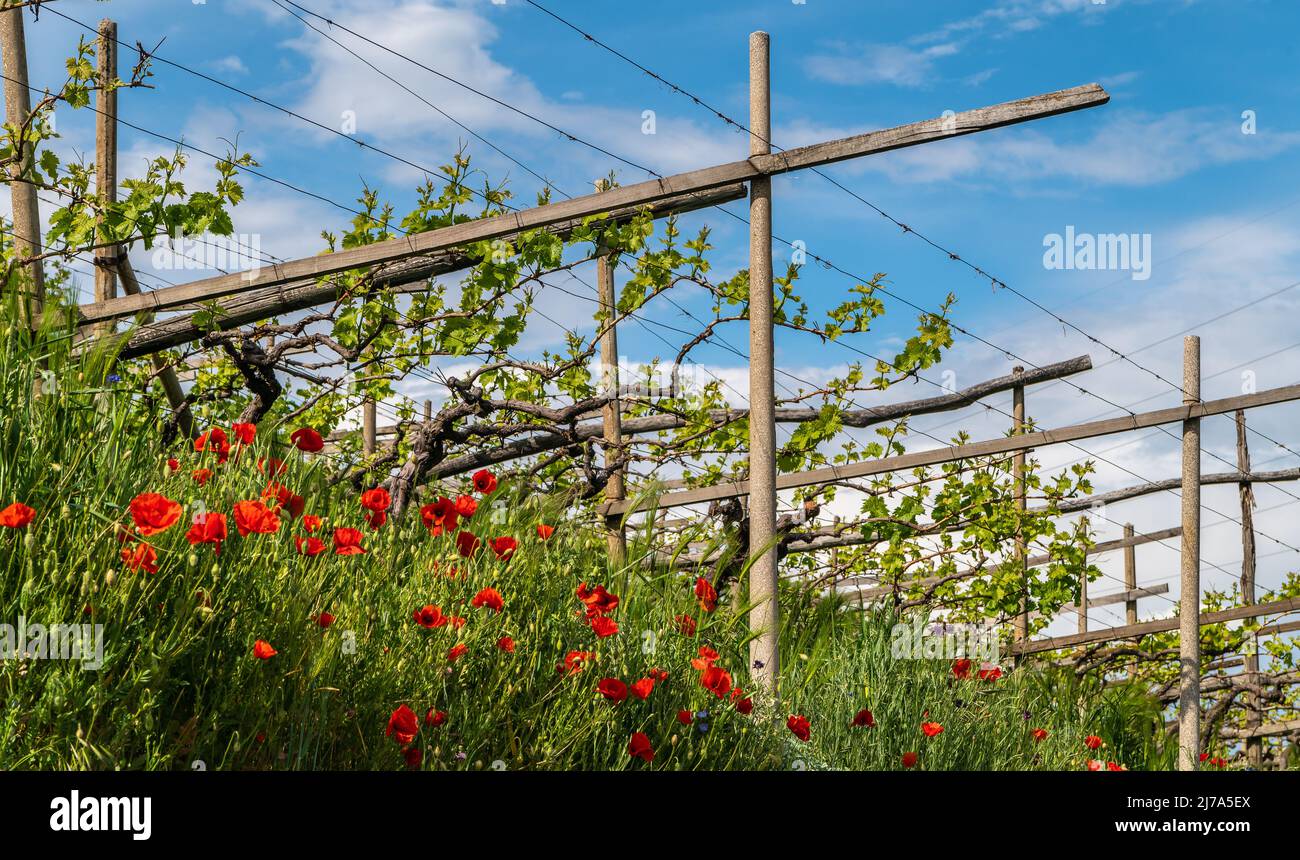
231 64
856 64
1123 147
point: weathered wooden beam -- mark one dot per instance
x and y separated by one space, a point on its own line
986 448
577 208
1163 625
868 594
1121 596
407 275
549 441
1086 502
1286 727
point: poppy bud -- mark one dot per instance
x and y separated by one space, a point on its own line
29 540
216 570
65 511
109 578
193 560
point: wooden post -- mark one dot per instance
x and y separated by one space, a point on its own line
26 212
106 161
611 414
1083 604
1189 631
368 426
1130 584
428 411
1018 477
835 558
1254 745
765 616
166 374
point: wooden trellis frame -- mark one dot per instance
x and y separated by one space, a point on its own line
299 284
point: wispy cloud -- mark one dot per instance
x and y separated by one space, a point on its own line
856 64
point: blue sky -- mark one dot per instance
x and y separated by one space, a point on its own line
1166 158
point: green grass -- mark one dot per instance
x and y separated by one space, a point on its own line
180 684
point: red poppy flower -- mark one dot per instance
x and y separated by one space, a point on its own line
376 499
706 658
598 600
931 729
685 625
244 433
440 517
642 688
255 517
716 680
271 466
706 594
466 506
16 516
310 547
154 513
435 718
1092 742
403 725
430 617
210 529
413 756
961 669
639 747
307 439
1094 764
325 620
143 557
214 440
376 519
311 522
173 465
799 727
285 499
864 719
545 532
506 644
909 760
489 598
504 547
658 674
457 622
744 704
575 661
1039 735
612 689
347 542
603 627
485 482
467 544
684 717
1114 765
201 476
262 650
990 674
457 651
